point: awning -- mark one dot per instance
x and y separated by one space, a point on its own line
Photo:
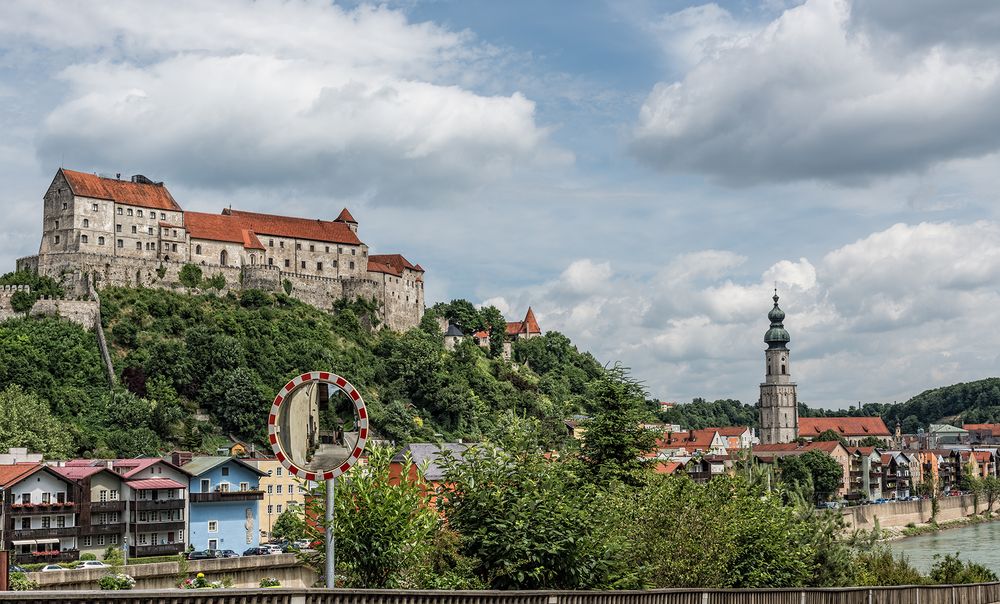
47 540
154 483
24 542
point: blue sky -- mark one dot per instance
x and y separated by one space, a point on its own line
640 173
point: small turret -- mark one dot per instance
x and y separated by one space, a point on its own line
776 336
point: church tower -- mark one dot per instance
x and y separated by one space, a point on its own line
779 409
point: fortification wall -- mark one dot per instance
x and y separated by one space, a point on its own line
81 312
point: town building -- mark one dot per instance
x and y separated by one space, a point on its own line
983 434
280 491
770 453
897 480
779 407
102 511
865 473
946 434
851 429
525 329
426 461
134 233
224 498
38 514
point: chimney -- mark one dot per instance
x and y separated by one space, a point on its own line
118 176
179 458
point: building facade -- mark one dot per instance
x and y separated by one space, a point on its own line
225 496
779 409
280 491
38 514
133 232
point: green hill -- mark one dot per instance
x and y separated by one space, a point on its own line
184 357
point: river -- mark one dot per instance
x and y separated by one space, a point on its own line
977 543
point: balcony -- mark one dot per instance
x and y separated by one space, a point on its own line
50 557
142 551
159 504
97 507
35 509
158 525
103 529
41 533
217 496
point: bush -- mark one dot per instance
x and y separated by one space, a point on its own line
22 301
950 570
21 582
270 582
116 582
254 298
87 556
216 281
190 275
113 556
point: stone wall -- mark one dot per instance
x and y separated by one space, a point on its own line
81 312
905 512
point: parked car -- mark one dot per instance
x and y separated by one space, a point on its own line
13 568
257 551
205 554
226 553
302 544
51 567
92 564
274 548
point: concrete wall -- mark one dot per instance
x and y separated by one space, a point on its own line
245 572
906 512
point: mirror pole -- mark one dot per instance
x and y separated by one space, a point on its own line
331 577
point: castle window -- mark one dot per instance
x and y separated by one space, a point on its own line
57 224
197 249
120 211
782 369
354 251
281 244
173 247
150 230
57 238
65 205
135 229
83 238
163 216
270 261
118 228
175 232
364 252
138 245
312 248
100 241
319 266
223 258
327 249
340 250
121 243
287 263
352 265
138 213
298 246
334 264
86 223
130 211
270 243
94 207
303 263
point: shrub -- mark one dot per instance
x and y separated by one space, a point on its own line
190 275
113 556
116 582
22 301
21 582
87 556
950 570
254 298
216 281
287 285
270 582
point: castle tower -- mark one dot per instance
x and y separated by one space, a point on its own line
779 411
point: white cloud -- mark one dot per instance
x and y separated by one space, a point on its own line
814 96
881 318
302 95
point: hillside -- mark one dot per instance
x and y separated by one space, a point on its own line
182 357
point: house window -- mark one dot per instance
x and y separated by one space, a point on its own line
244 486
94 207
86 541
83 238
25 523
279 471
100 540
290 489
143 539
213 526
86 223
278 508
225 471
46 522
223 487
270 509
197 249
100 241
130 211
279 489
319 266
25 497
46 497
103 496
270 489
206 485
60 522
114 539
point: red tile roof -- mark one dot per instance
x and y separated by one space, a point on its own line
392 264
693 440
295 228
220 227
78 472
828 446
730 430
528 325
345 216
844 426
155 483
667 467
993 429
378 267
120 191
15 472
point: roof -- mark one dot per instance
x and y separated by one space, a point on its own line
946 428
528 325
79 472
695 439
392 264
155 483
428 453
844 426
345 216
454 331
128 468
220 227
140 194
731 430
294 228
203 463
15 472
994 429
827 446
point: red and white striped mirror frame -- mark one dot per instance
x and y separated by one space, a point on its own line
359 405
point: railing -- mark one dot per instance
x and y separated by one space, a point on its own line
33 509
158 525
63 556
159 504
103 529
106 506
983 593
63 531
156 550
226 496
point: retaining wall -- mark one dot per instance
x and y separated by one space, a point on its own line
915 512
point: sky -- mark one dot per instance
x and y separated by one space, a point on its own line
642 173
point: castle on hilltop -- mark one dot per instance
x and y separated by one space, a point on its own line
133 233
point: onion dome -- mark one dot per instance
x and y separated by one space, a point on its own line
776 337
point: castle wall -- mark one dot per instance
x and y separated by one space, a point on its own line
81 312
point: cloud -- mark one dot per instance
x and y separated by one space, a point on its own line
881 318
304 96
814 95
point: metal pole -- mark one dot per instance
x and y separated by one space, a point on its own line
331 486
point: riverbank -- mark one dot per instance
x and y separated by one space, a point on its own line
973 541
896 533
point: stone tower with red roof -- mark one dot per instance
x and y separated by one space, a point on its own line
779 407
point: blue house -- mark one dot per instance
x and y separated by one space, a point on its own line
224 495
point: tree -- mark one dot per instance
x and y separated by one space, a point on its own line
815 474
871 441
27 422
290 525
190 275
237 401
616 440
949 570
830 435
23 301
384 526
991 489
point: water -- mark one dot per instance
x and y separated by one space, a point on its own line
977 543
